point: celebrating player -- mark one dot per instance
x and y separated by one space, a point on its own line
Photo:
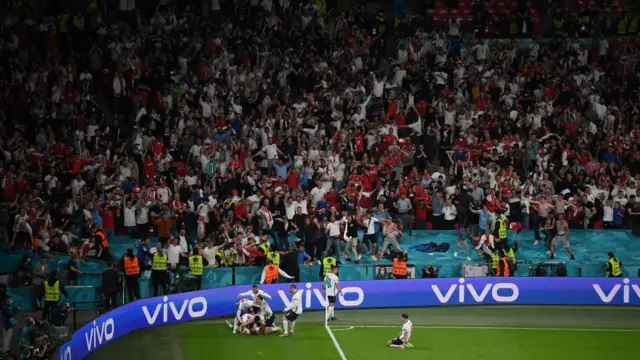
331 287
269 318
254 292
292 312
244 305
403 339
247 324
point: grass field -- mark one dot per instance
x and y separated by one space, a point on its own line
443 333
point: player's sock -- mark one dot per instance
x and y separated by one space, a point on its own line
395 345
293 325
333 311
285 325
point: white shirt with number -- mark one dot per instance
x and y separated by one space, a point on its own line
330 284
407 328
296 303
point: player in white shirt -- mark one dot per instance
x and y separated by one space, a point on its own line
331 287
254 292
246 324
293 311
268 317
243 305
403 339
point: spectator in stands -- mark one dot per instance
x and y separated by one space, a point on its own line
40 272
73 270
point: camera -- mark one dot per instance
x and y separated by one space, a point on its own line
429 272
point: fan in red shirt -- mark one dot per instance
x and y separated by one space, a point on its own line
149 167
157 146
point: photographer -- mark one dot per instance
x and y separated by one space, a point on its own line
429 272
59 314
29 336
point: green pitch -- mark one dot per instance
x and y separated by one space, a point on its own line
455 333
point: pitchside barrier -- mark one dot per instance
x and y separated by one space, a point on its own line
357 295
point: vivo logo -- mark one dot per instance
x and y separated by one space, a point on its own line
66 354
626 294
98 335
317 293
195 307
506 288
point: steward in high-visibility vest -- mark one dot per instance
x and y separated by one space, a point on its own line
614 266
501 229
633 26
271 273
274 256
78 22
92 5
493 264
558 26
503 268
196 266
322 5
131 268
52 290
622 26
103 250
327 263
63 22
513 28
159 275
399 267
381 23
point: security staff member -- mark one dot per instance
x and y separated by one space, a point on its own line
400 266
501 229
131 268
78 22
381 23
558 24
503 268
274 256
510 252
52 290
102 244
622 26
196 266
63 22
614 266
327 263
633 26
111 286
271 273
159 274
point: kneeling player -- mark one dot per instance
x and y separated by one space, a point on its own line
246 325
403 339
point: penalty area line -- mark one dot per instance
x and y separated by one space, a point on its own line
351 327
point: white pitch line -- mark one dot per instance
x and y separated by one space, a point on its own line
486 328
333 337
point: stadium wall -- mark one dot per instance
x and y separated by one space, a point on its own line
357 294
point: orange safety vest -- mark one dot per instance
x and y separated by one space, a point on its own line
103 237
506 271
36 241
399 267
131 266
271 274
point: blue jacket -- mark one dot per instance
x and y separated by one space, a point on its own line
8 314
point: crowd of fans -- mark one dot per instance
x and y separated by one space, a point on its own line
232 131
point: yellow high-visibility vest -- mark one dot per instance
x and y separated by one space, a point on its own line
615 267
195 265
63 24
274 257
622 26
78 22
159 262
51 292
322 5
502 228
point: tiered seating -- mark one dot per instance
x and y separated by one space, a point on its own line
505 9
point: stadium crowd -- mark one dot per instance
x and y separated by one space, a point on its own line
233 132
